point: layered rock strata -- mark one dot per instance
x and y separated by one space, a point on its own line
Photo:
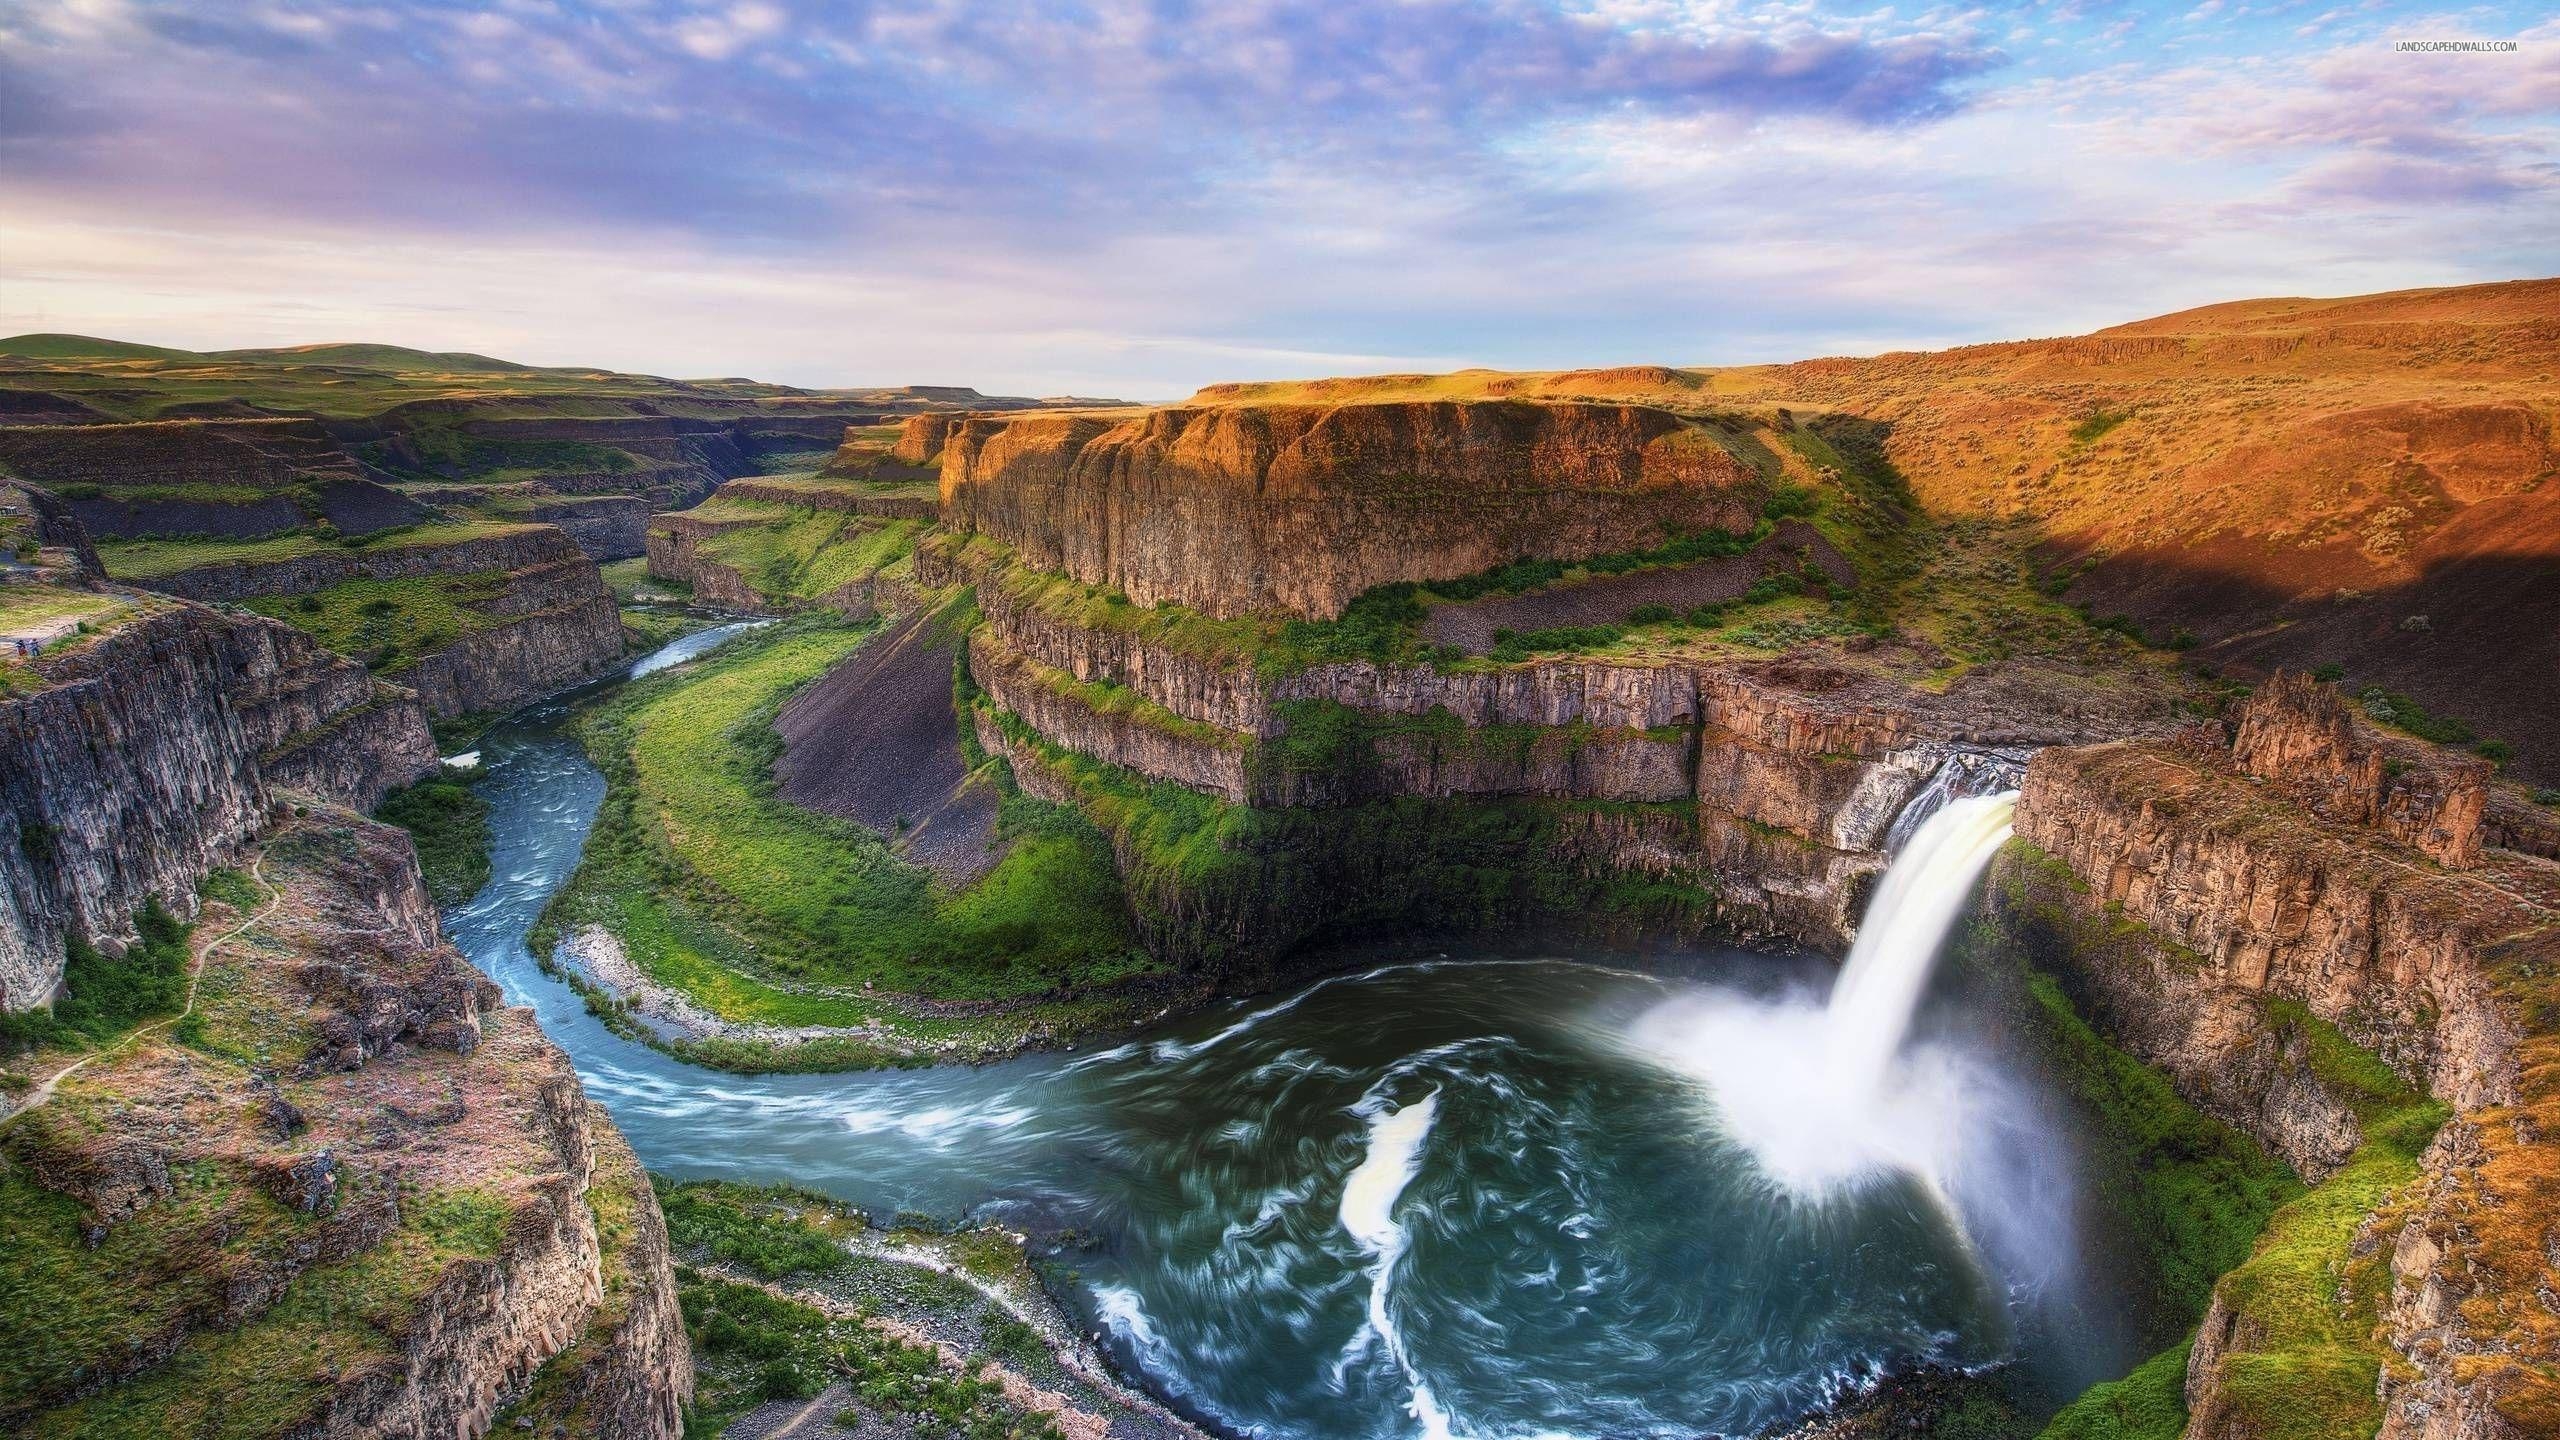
1299 508
364 1200
1766 787
2303 861
204 477
551 622
152 751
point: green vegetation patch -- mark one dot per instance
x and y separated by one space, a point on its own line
157 559
390 625
2195 1192
442 452
752 1346
790 554
718 887
449 823
2148 1404
2202 1200
102 997
282 1369
23 607
1218 883
2305 1360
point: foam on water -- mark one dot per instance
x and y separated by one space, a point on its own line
1369 1196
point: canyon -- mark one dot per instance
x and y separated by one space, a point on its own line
1061 718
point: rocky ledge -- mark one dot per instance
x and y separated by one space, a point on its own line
1770 785
548 622
345 1194
153 750
2306 926
1299 508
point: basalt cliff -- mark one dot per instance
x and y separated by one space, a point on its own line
346 1194
1298 508
329 1185
158 747
2309 928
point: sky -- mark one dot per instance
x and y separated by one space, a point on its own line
1136 197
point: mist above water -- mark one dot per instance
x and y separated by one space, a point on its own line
1829 1095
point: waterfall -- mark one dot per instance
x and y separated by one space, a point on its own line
1906 922
1801 1082
1963 773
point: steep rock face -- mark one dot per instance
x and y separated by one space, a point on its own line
136 479
1776 781
471 1212
849 501
554 623
607 527
2207 886
676 554
1300 508
2384 951
921 437
151 753
2297 734
558 627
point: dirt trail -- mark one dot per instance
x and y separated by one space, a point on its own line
877 741
195 971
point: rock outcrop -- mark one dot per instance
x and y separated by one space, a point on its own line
365 1200
1761 789
2225 896
607 527
1299 508
153 750
204 477
548 623
921 437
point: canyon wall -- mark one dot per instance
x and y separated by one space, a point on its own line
363 1174
549 624
204 477
607 527
1299 508
1755 794
152 751
2217 898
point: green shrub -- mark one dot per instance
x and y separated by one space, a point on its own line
2496 752
101 998
2330 673
1651 615
449 823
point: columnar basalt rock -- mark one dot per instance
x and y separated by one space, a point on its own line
551 621
2204 887
153 751
1785 774
921 437
1300 508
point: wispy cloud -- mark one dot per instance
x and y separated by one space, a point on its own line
1193 191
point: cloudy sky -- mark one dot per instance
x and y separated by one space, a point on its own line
1134 197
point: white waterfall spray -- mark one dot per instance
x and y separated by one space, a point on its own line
1822 1095
1906 924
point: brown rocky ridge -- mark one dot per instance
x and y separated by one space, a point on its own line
2363 481
1298 508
